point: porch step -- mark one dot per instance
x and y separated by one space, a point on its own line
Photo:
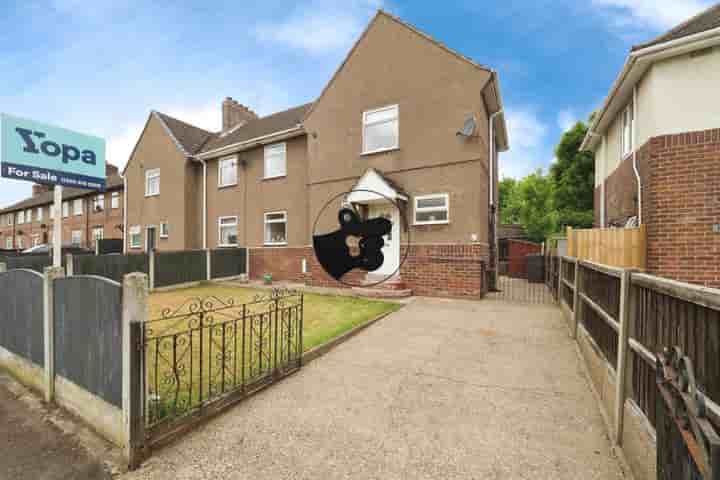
394 283
382 292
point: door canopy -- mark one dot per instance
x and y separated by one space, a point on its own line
374 187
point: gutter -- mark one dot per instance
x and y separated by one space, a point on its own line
253 142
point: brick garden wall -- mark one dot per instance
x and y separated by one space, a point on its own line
430 270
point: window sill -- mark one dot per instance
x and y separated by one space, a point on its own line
152 195
277 177
275 244
228 245
420 224
229 185
380 150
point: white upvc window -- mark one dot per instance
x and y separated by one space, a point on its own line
228 231
275 160
76 238
164 230
28 216
78 207
9 219
432 209
276 228
99 203
21 217
20 243
39 214
115 200
381 129
627 128
35 240
98 233
135 237
227 172
66 209
8 243
152 182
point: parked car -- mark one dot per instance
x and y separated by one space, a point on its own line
45 248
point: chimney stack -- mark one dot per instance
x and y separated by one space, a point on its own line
38 189
110 169
234 113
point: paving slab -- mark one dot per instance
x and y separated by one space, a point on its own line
442 389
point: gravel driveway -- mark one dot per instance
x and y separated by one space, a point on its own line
442 389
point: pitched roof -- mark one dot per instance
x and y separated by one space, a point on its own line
276 122
705 20
189 138
113 182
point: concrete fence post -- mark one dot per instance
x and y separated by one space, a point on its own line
208 258
3 267
577 312
626 306
151 268
51 274
134 316
69 265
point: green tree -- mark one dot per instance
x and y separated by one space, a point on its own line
509 210
573 179
534 196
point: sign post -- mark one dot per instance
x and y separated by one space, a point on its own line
36 152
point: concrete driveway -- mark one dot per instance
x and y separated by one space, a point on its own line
443 389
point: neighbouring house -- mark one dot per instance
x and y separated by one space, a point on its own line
403 115
656 142
87 215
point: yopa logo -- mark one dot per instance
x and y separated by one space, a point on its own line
35 143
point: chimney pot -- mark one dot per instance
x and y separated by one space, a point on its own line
234 113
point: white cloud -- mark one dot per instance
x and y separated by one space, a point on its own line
320 27
528 150
655 14
566 119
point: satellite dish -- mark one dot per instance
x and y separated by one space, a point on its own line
468 129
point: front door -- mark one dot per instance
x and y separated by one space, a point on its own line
150 239
391 250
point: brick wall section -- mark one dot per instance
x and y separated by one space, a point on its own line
430 270
517 251
681 203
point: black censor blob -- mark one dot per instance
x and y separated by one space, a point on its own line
335 255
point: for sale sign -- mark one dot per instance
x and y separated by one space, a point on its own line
41 153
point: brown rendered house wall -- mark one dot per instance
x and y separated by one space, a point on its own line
156 149
681 204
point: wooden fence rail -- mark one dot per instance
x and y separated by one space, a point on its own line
618 247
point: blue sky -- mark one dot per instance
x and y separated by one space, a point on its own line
101 66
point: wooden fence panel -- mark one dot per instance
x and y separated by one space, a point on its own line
618 247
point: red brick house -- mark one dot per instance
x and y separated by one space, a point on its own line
656 142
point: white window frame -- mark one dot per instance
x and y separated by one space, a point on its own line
9 243
77 211
149 175
39 214
417 209
19 243
95 230
28 216
115 200
627 131
9 218
223 161
164 230
135 231
99 201
220 225
21 217
268 153
66 209
365 125
35 240
72 238
267 222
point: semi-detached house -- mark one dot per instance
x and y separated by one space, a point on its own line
403 115
656 141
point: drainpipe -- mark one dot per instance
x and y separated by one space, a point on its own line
493 209
491 156
635 159
125 196
204 215
602 176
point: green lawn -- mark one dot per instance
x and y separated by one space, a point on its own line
194 357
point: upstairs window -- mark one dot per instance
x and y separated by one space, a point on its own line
152 182
381 129
276 228
115 200
66 209
275 160
28 216
432 209
99 203
78 207
628 127
227 231
21 217
227 172
39 213
9 219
